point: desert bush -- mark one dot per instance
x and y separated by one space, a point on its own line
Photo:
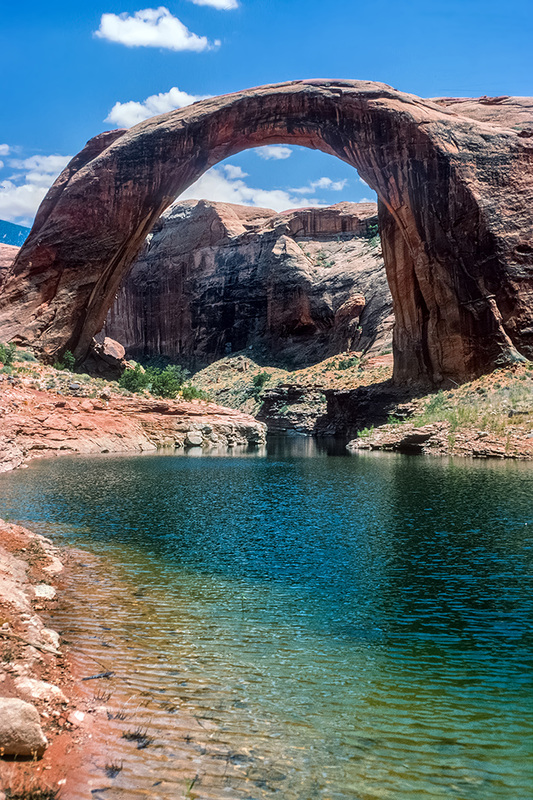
260 379
348 363
25 355
7 354
190 392
67 361
134 380
165 382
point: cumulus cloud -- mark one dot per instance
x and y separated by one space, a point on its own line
322 183
124 115
274 152
4 149
22 193
151 27
234 172
215 185
222 5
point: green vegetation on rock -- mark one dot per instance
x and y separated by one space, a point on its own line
168 382
7 354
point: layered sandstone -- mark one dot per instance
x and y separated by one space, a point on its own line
455 188
216 278
7 256
36 423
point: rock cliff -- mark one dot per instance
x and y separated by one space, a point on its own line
215 278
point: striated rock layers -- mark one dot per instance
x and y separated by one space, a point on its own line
36 423
214 278
455 186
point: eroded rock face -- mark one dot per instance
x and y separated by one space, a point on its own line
7 256
36 423
455 190
215 278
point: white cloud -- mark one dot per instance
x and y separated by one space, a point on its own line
273 151
4 149
1 165
322 183
124 115
214 185
222 5
151 27
21 195
234 172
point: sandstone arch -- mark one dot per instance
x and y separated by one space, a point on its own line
455 211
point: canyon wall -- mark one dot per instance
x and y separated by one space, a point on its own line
216 278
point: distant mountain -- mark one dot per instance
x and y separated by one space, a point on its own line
13 234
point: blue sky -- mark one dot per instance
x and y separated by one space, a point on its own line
65 66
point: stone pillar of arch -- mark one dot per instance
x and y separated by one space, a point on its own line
455 186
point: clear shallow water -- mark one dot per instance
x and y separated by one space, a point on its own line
316 627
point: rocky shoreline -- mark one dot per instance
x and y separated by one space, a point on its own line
37 423
438 439
45 716
40 722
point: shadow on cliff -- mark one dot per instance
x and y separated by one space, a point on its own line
347 410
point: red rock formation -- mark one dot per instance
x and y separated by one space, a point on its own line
7 256
455 205
215 278
35 423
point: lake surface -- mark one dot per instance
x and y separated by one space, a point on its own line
300 623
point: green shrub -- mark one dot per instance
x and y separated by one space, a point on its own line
364 432
25 355
190 392
372 234
348 363
165 382
7 353
68 361
322 260
134 380
260 379
394 420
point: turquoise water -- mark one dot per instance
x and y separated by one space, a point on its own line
323 626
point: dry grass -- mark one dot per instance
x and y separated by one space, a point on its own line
494 403
230 381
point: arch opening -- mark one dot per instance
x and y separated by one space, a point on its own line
291 280
441 180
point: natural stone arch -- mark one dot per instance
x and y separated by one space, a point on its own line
456 240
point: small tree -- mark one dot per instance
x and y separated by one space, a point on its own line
7 353
68 361
260 379
134 380
166 382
